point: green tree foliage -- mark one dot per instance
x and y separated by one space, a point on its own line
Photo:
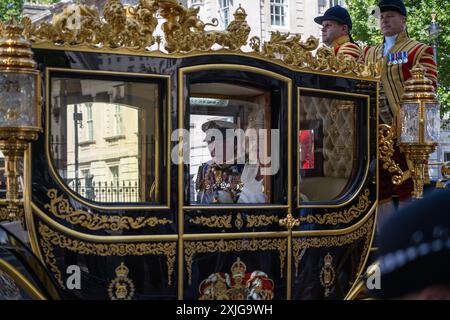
46 1
13 8
10 9
366 32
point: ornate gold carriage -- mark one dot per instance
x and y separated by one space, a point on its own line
110 185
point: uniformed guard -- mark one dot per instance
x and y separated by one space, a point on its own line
225 179
398 54
336 32
414 251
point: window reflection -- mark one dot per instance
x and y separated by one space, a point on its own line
327 143
104 138
307 149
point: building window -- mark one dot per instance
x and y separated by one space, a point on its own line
224 10
114 175
90 122
278 12
117 120
322 6
125 113
336 3
447 156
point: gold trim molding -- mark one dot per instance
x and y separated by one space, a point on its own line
256 221
133 28
342 217
50 238
60 207
191 248
224 221
213 221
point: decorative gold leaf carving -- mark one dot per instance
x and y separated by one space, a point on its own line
50 238
213 221
255 221
191 248
386 149
60 207
299 244
11 214
342 217
133 28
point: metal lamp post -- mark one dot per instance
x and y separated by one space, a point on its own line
418 125
19 105
434 31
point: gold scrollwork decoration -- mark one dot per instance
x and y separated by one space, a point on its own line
256 221
213 221
191 248
134 28
386 150
365 249
342 217
11 213
299 244
292 51
50 238
289 222
60 207
79 24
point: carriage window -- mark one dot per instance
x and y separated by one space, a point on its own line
326 145
104 138
232 147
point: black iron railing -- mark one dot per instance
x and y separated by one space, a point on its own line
110 191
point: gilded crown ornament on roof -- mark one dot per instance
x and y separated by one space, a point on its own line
133 28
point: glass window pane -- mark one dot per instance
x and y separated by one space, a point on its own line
326 143
104 138
231 145
409 114
433 122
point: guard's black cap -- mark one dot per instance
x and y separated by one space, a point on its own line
338 14
393 5
414 248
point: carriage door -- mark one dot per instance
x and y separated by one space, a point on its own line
234 182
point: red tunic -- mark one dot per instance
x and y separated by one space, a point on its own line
393 80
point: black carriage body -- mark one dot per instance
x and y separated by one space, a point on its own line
173 247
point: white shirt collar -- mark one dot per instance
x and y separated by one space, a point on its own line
389 43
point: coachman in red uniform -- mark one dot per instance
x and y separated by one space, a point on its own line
399 54
336 32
